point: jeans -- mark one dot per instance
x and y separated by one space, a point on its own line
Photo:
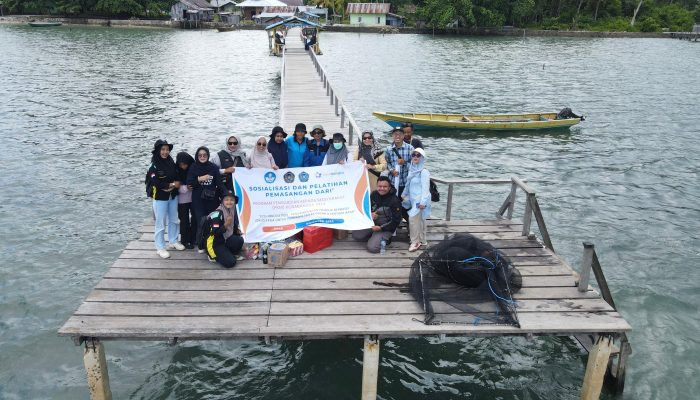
166 209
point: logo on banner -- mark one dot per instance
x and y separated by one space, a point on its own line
270 177
289 177
304 177
318 175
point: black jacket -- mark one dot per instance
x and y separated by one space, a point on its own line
161 174
215 184
389 209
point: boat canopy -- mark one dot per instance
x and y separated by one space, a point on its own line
293 21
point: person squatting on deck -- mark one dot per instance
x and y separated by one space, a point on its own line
386 214
221 236
163 179
230 157
416 199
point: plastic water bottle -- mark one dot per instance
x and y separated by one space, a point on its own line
264 253
382 247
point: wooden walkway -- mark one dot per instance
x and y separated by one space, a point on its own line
329 294
304 95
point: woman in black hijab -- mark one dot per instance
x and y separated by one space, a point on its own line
184 200
164 183
205 180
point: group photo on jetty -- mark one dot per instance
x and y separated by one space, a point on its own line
264 199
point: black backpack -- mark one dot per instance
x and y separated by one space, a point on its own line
434 194
210 223
149 187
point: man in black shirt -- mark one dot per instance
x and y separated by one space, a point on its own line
386 213
408 135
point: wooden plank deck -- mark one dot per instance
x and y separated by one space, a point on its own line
337 292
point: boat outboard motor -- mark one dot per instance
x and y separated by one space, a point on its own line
566 113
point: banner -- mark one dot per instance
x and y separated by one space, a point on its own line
274 205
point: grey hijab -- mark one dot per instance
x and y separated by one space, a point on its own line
333 155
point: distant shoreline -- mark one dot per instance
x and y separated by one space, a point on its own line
514 32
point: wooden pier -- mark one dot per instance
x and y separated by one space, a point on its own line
342 291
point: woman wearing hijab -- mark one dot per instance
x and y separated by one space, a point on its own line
337 152
184 200
205 180
230 157
224 240
373 155
416 198
164 183
260 157
278 148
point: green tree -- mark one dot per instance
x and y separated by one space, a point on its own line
119 7
444 13
522 9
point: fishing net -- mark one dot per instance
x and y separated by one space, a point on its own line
464 280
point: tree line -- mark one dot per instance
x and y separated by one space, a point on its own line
599 15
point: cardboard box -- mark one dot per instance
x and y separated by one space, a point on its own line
250 251
277 254
296 248
340 234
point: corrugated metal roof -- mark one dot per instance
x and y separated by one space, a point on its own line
293 3
285 9
367 8
199 5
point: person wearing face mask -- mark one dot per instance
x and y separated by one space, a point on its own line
373 155
260 157
338 152
416 199
316 147
277 147
164 182
205 180
230 157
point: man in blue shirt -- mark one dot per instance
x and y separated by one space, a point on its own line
317 147
296 146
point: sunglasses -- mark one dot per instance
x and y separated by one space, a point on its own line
416 155
262 144
202 155
367 137
316 133
233 143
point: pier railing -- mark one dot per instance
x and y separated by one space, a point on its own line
532 207
341 109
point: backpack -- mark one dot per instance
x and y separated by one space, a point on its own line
434 194
212 222
149 186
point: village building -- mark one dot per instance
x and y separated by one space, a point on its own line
368 14
192 11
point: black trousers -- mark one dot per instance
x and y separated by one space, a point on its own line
188 227
200 209
226 253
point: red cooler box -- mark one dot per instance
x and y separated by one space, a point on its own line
317 238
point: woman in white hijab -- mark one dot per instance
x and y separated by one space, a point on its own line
260 157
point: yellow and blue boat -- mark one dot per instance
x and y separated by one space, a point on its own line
487 122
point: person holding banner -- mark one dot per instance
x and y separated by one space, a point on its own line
230 157
386 214
337 152
317 147
260 157
416 199
373 155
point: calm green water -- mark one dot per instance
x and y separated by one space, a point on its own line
81 107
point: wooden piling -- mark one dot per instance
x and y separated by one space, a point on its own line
586 265
96 369
595 369
370 368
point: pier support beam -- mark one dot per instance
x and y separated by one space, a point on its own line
595 369
96 368
370 368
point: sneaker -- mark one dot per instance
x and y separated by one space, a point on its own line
200 251
211 260
414 246
189 246
163 253
175 246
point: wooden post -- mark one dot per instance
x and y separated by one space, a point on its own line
336 106
586 264
527 216
595 369
331 94
342 120
96 368
450 192
511 206
370 368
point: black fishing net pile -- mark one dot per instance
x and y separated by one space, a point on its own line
464 280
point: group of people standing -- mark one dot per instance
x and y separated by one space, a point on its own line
191 194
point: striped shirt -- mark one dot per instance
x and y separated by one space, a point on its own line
392 162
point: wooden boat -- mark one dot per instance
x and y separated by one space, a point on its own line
227 29
44 24
490 122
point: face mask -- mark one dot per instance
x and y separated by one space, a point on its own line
337 146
